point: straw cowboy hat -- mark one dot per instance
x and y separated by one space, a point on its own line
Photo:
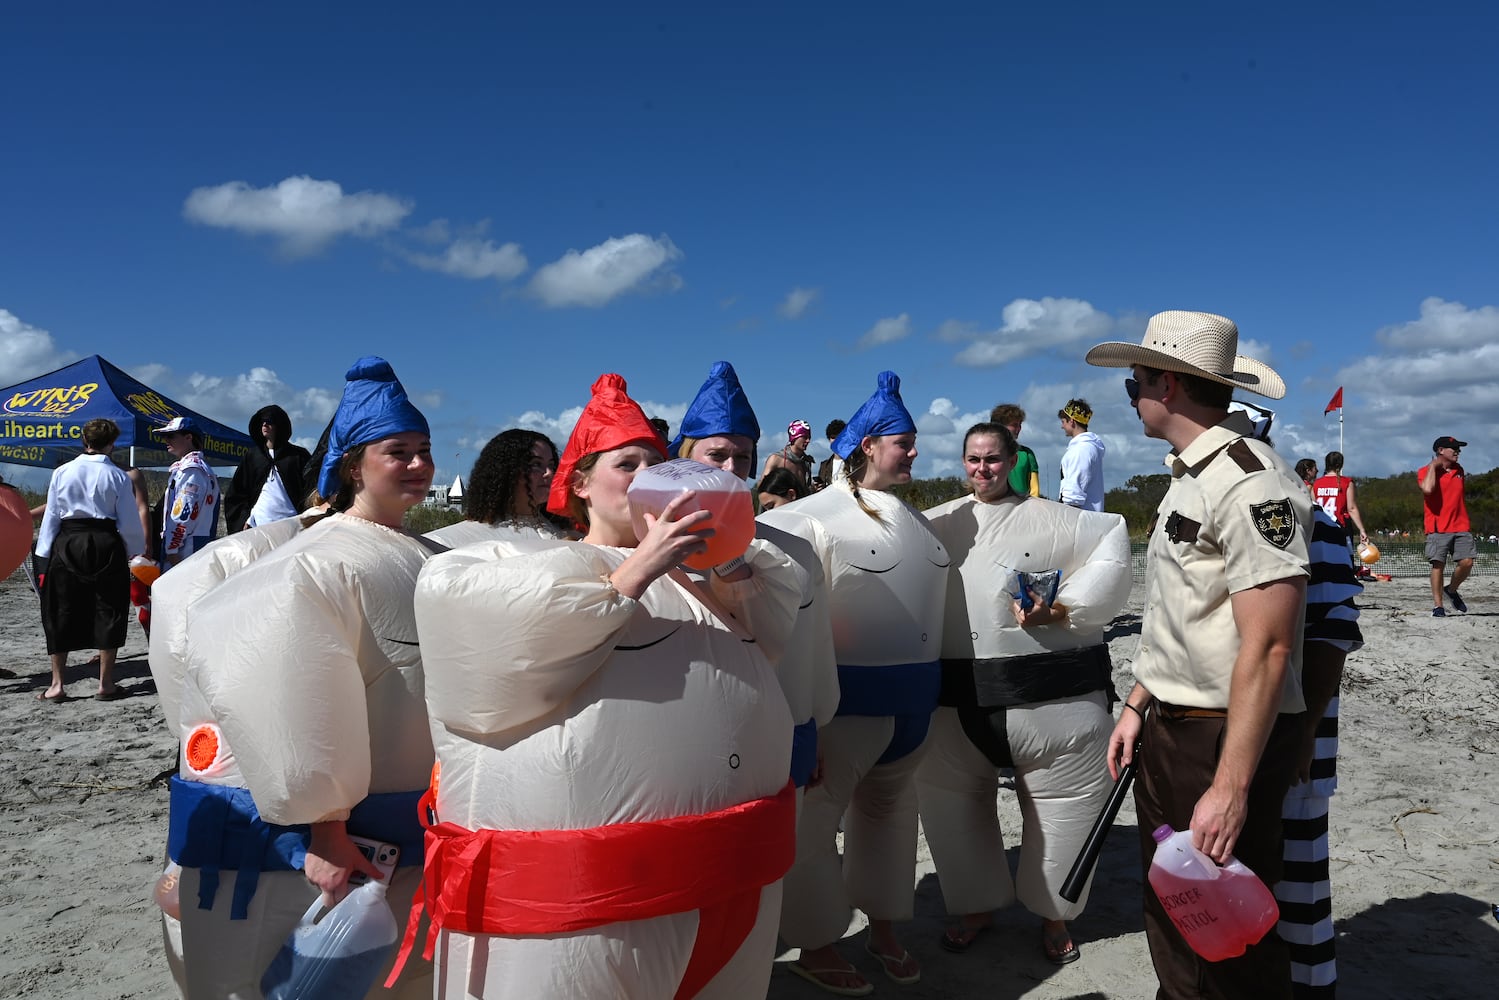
1197 343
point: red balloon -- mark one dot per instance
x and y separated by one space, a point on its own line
15 530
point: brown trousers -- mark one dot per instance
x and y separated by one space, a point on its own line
1177 761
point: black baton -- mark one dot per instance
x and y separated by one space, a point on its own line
1087 858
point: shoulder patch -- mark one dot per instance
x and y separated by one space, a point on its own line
1275 521
1244 457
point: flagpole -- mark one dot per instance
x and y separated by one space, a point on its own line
1340 428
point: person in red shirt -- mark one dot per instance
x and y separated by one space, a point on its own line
1448 531
1334 493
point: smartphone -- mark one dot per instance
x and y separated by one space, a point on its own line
382 855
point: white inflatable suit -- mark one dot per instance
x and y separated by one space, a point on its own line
171 596
557 706
808 669
887 583
307 663
463 533
1058 743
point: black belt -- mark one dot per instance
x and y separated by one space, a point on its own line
87 524
999 682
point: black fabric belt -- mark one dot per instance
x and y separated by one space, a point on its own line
1000 682
86 524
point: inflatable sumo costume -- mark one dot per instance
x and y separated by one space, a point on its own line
302 703
173 594
1036 699
808 667
887 576
611 809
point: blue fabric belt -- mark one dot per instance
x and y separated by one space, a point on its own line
214 827
803 752
906 692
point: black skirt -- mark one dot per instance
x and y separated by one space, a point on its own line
86 594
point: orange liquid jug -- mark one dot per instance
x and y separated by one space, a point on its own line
721 493
1220 911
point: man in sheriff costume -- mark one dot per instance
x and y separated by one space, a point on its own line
611 810
1217 701
720 429
1026 684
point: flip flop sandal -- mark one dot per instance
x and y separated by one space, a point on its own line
1059 949
960 937
814 976
891 965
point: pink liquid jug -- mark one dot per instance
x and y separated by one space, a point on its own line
1220 911
721 493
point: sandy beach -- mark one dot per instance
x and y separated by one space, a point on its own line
1415 829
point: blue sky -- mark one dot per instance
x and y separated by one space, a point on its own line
233 204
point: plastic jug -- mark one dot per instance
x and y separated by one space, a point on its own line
722 493
339 956
1220 911
166 891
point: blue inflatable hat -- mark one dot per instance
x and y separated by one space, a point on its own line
883 413
374 406
719 408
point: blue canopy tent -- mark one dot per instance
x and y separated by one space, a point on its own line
41 419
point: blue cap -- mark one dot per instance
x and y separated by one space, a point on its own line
720 408
882 413
374 406
178 425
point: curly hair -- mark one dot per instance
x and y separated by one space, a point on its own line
499 468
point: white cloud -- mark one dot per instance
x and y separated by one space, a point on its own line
27 351
1257 349
886 331
233 399
1443 324
1033 326
797 301
303 213
469 257
599 274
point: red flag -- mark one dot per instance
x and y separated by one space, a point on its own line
1336 403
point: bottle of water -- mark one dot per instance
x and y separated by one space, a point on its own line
339 956
1220 911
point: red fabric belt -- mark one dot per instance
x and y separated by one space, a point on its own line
510 882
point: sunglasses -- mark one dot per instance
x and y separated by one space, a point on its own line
1132 387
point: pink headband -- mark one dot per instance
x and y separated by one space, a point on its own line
798 428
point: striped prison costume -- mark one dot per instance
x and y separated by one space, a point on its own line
1305 890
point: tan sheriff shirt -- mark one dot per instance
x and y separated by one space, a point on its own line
1235 517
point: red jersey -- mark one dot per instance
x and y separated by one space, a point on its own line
1331 494
1446 509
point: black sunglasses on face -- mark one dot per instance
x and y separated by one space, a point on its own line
1132 387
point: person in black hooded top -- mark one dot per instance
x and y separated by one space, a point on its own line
257 496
